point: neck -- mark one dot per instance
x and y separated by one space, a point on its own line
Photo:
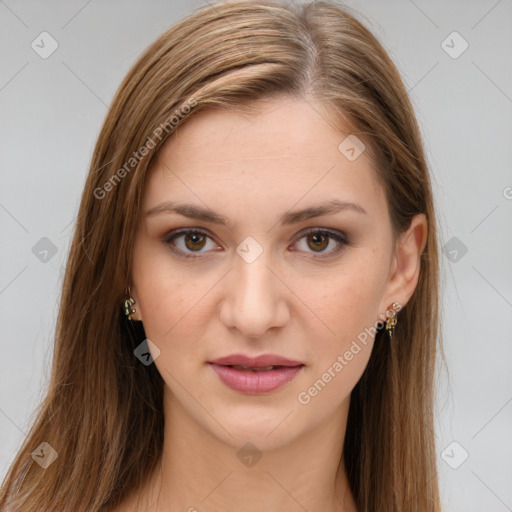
200 472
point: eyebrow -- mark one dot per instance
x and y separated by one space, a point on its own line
290 217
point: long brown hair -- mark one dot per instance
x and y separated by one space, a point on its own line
103 411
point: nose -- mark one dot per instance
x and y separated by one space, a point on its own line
254 298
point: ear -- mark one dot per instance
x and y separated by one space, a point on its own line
406 263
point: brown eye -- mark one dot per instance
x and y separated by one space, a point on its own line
186 242
322 242
318 241
195 241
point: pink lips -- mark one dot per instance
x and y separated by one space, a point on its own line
256 375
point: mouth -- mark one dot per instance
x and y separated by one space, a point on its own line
256 369
255 380
262 361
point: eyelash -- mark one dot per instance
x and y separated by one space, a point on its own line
339 237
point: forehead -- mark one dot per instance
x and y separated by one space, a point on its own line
287 150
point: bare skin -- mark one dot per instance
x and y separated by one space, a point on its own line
301 298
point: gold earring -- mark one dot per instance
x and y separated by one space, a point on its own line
392 321
128 303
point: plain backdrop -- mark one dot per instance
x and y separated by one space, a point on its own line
454 57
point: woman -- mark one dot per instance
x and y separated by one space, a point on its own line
249 316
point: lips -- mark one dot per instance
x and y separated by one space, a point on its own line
262 361
254 368
255 375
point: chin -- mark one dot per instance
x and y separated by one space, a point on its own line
266 429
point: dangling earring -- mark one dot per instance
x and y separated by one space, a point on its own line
391 322
128 303
390 326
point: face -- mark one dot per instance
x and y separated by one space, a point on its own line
264 273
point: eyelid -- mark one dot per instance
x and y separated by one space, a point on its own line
334 233
169 237
339 236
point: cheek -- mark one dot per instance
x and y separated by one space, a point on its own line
344 301
163 294
341 353
168 304
173 301
343 325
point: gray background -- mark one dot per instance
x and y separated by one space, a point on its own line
51 113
